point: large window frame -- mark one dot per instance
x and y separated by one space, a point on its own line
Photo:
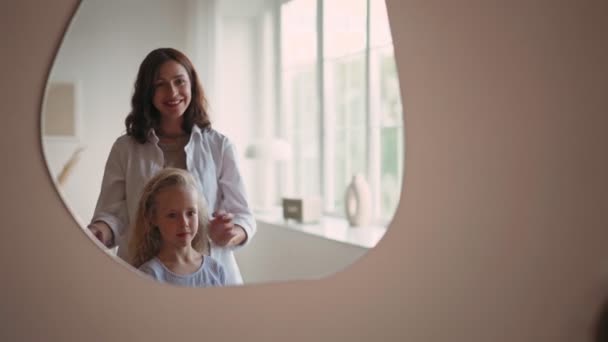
289 173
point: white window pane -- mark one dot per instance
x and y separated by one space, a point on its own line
386 99
380 33
390 97
345 90
344 26
345 103
302 111
350 145
300 100
391 170
298 33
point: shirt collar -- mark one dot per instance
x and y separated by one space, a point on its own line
154 138
196 131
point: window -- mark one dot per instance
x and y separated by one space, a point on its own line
300 116
344 83
340 106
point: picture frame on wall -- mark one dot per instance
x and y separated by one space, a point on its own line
61 111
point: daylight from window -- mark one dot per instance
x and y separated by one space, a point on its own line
340 103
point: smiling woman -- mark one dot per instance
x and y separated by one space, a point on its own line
319 76
168 126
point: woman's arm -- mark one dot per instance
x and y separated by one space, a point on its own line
110 216
235 224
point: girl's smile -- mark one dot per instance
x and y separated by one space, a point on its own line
184 235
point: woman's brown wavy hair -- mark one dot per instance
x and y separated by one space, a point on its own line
144 116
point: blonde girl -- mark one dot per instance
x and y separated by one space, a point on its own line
169 240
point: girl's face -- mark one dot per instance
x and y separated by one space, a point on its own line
176 216
172 90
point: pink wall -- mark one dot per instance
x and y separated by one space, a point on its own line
502 230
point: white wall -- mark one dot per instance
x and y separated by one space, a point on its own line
235 104
221 37
233 111
114 37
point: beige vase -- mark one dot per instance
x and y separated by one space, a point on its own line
357 202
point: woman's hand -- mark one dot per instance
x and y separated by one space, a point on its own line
223 232
102 232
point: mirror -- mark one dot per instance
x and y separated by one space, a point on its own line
307 90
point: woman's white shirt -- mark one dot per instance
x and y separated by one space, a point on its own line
210 158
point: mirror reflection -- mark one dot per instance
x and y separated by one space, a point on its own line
293 137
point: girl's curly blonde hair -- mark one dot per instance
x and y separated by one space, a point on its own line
145 240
